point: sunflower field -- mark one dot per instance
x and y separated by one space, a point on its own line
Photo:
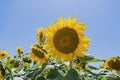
58 54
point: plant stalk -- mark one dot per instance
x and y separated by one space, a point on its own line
10 73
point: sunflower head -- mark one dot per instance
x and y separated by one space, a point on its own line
19 50
15 63
37 54
27 59
40 35
112 63
65 39
3 54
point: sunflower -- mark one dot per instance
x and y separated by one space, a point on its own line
15 63
3 54
40 35
37 54
19 50
65 39
112 63
27 59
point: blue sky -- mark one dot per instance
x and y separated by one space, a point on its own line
19 20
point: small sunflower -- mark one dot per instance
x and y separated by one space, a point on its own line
15 63
27 59
65 39
40 35
37 54
19 50
112 63
3 54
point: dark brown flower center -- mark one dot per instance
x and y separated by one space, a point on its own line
115 64
27 59
2 54
66 40
37 53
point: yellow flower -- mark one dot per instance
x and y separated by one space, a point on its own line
65 39
27 59
37 54
113 63
40 35
19 50
3 54
15 63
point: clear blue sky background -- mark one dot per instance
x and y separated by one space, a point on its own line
19 20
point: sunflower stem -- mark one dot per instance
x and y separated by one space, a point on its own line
71 63
10 73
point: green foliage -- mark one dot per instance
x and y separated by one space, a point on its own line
103 78
89 59
72 74
22 67
53 74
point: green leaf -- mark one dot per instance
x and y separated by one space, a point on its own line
92 67
95 60
104 78
40 78
113 78
27 53
89 59
72 75
53 74
112 75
